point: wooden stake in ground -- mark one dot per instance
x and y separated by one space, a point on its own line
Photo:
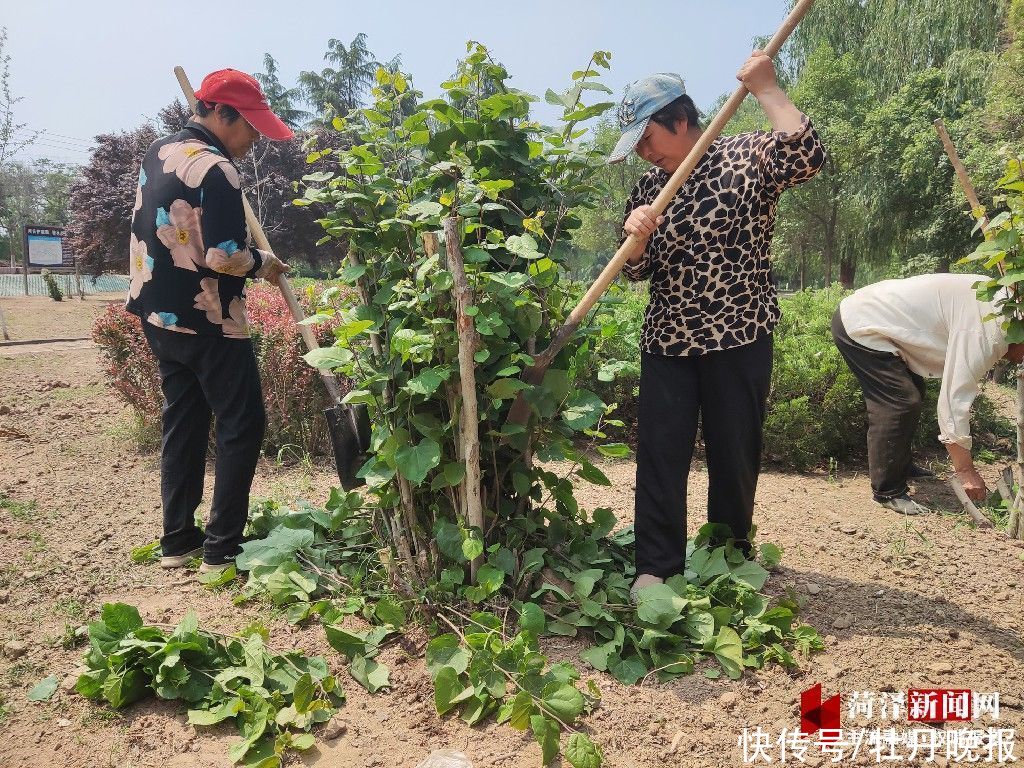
961 173
469 420
1017 531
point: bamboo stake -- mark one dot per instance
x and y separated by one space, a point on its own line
977 211
469 419
414 544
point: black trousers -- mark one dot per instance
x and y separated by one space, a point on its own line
201 375
728 390
893 395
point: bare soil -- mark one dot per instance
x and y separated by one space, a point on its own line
903 602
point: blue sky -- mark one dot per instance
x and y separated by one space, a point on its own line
88 68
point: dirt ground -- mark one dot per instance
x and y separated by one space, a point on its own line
925 602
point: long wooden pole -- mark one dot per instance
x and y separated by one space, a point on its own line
961 173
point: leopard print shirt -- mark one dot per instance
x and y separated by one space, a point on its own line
708 264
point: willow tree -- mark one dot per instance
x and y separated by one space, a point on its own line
915 61
893 39
995 130
830 208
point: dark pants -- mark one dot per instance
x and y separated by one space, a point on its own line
728 391
893 395
200 375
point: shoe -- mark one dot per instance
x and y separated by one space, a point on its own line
215 569
180 561
643 580
916 471
904 505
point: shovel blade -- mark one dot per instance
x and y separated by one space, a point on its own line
349 427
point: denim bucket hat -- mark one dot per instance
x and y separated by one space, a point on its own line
641 100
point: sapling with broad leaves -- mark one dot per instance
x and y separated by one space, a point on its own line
456 216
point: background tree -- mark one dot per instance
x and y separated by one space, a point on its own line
13 135
284 101
339 89
915 221
267 178
13 138
102 199
33 193
892 205
600 230
173 117
19 204
827 214
893 39
54 185
991 133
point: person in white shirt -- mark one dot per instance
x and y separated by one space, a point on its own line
896 333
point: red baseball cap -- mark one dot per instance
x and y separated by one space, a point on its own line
239 90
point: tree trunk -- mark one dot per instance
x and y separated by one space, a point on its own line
829 248
847 270
469 419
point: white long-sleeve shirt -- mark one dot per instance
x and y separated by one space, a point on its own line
936 324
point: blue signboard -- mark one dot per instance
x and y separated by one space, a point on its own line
45 247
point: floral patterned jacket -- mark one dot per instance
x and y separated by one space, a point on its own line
189 252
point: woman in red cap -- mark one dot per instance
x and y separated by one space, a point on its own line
190 258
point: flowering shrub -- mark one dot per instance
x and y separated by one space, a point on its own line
292 394
130 366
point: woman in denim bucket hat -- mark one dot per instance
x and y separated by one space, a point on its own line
706 345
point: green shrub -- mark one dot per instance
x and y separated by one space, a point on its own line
610 364
51 285
815 408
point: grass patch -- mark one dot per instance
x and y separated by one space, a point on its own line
101 717
22 672
19 510
134 430
71 608
75 393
